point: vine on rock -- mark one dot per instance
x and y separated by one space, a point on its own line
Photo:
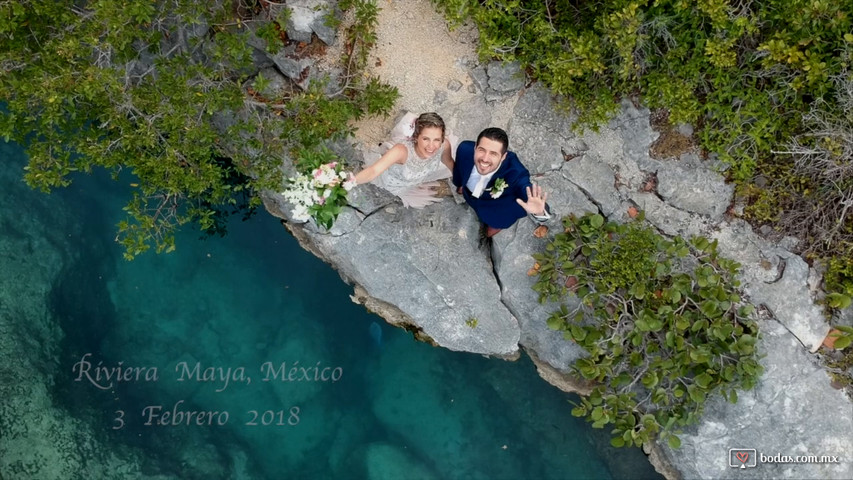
662 321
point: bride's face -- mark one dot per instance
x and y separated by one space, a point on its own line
428 142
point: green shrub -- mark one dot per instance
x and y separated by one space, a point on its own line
746 74
136 87
662 321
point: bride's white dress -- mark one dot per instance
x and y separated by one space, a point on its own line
411 181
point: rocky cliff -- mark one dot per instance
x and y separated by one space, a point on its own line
432 272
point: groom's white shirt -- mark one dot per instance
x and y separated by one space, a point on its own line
477 183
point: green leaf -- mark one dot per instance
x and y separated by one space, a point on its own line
596 221
673 441
703 380
838 300
843 342
578 333
695 394
650 380
710 309
597 413
617 442
555 322
674 295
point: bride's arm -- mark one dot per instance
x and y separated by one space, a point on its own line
397 154
446 155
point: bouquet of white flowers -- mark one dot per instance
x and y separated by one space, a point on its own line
320 194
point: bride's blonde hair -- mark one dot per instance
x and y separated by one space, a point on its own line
427 120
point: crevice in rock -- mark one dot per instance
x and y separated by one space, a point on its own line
780 271
588 197
546 172
360 211
773 317
650 185
372 212
496 274
655 192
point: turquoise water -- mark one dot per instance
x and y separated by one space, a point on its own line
197 328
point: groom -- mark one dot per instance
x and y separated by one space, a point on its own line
495 183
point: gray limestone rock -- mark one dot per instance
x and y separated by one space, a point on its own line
512 251
669 220
454 85
596 180
323 31
276 83
537 134
307 17
685 129
777 279
480 78
845 317
791 411
789 243
260 59
369 198
469 118
760 260
505 77
428 263
697 189
440 97
348 220
294 68
492 96
789 301
637 136
564 197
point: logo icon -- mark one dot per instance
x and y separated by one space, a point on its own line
742 457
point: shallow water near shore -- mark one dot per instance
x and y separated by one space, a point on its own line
243 357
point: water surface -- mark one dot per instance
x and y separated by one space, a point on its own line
247 359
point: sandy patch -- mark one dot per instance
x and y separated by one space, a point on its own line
417 53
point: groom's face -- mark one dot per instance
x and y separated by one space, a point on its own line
488 155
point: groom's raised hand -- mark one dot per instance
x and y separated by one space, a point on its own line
535 204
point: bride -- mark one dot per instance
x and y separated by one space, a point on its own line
422 155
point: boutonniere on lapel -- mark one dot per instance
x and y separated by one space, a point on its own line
498 188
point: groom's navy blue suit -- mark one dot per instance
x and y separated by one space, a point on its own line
499 212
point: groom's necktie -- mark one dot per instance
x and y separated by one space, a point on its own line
481 185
